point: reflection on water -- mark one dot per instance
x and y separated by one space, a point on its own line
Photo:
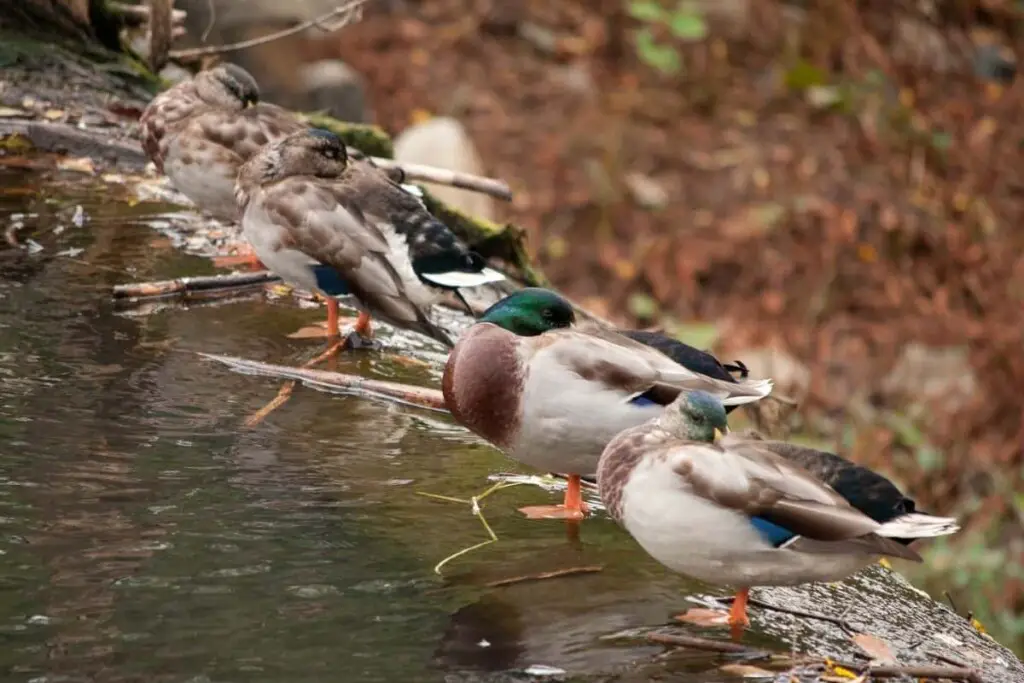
146 536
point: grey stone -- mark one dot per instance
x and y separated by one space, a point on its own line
443 142
336 88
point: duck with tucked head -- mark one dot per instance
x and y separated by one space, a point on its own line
201 131
339 226
552 395
749 512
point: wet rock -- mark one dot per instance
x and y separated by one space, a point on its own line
939 377
444 142
332 86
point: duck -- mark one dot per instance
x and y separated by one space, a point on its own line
552 394
338 226
735 509
200 131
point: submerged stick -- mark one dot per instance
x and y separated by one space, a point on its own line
443 176
200 285
541 576
421 397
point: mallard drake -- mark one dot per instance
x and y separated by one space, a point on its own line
337 226
552 395
749 512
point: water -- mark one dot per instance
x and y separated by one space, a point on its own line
146 536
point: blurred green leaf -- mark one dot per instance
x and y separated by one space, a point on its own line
941 141
929 459
647 11
643 306
697 334
688 25
803 75
664 58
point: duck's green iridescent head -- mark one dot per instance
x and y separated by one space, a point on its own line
530 311
695 416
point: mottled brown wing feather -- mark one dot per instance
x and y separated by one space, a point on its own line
341 235
755 481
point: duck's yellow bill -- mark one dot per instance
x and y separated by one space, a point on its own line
718 434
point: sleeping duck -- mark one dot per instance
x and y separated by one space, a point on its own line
338 226
731 510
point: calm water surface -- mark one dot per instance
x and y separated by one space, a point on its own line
146 536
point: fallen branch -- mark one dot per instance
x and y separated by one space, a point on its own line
540 576
442 176
350 12
421 397
200 286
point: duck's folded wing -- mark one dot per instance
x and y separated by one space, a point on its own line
245 133
752 480
604 356
355 244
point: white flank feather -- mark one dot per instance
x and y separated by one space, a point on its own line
413 190
917 525
762 386
459 279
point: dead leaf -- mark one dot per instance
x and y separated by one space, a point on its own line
874 647
53 114
746 671
700 616
79 165
15 143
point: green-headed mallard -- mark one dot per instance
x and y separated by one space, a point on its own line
552 395
749 512
339 226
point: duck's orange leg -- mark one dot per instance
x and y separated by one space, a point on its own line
738 613
573 506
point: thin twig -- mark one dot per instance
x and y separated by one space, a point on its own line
443 176
349 12
197 285
285 392
540 576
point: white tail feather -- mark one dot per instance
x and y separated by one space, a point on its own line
763 387
458 278
413 190
917 525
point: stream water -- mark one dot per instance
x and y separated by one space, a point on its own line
145 535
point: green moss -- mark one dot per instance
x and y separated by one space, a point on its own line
372 140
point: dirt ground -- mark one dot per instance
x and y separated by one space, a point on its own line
840 233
